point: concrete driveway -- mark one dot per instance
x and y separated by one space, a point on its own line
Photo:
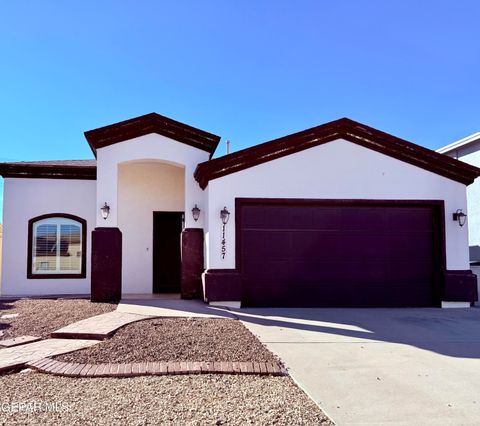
380 366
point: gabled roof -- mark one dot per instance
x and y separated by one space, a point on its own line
151 123
343 128
60 169
460 143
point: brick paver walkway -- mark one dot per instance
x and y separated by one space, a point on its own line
73 369
98 327
16 357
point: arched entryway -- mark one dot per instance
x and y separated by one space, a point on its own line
151 205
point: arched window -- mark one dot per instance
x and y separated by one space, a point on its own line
56 246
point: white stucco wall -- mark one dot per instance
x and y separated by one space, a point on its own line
336 170
28 198
471 154
144 188
152 146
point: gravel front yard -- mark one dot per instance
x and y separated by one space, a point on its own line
185 400
39 317
176 339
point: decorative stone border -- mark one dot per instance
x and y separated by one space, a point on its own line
71 369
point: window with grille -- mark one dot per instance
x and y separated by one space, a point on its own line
57 247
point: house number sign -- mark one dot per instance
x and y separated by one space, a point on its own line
224 215
224 248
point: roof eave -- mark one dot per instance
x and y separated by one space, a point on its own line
47 172
340 129
475 137
148 124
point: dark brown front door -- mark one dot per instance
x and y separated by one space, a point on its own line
343 255
167 227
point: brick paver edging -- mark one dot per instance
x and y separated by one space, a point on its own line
71 369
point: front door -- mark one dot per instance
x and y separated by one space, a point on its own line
167 227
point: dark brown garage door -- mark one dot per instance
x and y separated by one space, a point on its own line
348 254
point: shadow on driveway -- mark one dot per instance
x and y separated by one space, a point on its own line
451 332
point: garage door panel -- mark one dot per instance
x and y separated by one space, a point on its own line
363 247
318 255
255 218
304 271
362 219
279 218
410 219
318 245
415 270
267 244
278 245
327 219
265 295
254 243
268 271
413 246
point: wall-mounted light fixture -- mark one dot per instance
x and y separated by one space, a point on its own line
224 215
105 211
460 217
195 213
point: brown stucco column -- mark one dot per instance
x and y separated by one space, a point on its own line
460 286
106 280
192 263
223 285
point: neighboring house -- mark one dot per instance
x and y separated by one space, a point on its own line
468 150
337 215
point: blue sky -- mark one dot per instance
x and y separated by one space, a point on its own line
249 71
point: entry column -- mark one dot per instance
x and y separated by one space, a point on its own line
106 279
192 263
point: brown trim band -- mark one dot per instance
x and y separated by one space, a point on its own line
82 274
17 170
349 130
151 123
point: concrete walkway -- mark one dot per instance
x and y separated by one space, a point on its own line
16 357
172 308
380 366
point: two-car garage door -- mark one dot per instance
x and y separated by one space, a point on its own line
338 253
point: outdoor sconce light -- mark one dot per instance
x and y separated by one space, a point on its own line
105 211
224 215
460 217
195 213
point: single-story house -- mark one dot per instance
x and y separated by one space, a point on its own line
337 215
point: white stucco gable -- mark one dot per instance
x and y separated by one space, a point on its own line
155 148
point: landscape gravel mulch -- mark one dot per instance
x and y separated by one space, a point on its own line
169 400
39 317
176 339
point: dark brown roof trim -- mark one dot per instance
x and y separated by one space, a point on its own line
151 123
65 169
343 128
